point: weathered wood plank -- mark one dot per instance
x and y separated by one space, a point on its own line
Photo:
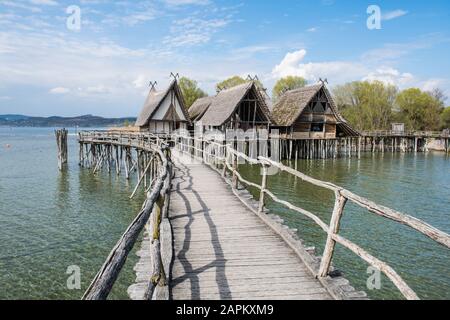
224 251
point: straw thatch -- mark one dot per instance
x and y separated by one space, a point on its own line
216 111
292 103
154 100
199 107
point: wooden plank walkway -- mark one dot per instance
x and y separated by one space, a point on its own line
224 251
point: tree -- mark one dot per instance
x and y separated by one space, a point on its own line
191 92
233 82
366 105
419 110
445 118
439 95
287 83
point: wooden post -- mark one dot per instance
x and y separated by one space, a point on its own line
61 142
333 229
235 179
359 147
263 188
225 157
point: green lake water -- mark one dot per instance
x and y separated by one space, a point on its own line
50 220
416 184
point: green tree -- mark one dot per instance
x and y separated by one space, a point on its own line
191 92
419 110
233 82
366 105
126 123
445 118
287 83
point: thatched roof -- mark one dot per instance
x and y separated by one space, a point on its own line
292 103
267 99
218 109
199 107
154 100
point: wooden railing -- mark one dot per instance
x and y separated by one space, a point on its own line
223 157
408 133
154 209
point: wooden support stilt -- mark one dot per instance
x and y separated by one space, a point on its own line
61 141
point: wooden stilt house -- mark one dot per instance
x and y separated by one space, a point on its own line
164 111
310 113
241 107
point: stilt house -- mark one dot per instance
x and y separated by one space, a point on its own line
241 107
164 111
310 113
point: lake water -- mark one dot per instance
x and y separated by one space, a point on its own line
416 184
50 220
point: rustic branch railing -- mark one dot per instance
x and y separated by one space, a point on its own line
391 133
155 209
223 156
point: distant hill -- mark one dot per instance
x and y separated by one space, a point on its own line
12 117
15 120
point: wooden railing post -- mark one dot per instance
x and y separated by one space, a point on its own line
235 179
263 188
225 157
333 229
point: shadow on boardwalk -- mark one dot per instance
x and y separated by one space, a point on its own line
223 250
219 262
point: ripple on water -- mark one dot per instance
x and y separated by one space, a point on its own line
413 184
51 220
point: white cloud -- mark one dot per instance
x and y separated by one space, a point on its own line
335 71
5 98
141 81
141 16
59 90
44 2
290 65
431 84
339 72
18 5
393 14
313 29
391 76
186 2
193 31
100 89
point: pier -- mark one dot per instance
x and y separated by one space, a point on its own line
206 237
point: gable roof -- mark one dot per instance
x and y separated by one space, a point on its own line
154 100
220 108
292 103
199 107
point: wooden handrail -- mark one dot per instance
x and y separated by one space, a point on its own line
409 133
341 197
104 280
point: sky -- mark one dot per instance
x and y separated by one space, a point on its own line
54 61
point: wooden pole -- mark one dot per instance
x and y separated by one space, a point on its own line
263 188
61 142
235 179
332 230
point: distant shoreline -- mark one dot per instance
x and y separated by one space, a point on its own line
85 121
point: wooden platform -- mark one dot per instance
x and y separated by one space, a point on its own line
224 251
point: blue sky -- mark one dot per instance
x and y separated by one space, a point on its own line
104 68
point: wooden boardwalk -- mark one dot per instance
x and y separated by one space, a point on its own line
217 242
224 251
